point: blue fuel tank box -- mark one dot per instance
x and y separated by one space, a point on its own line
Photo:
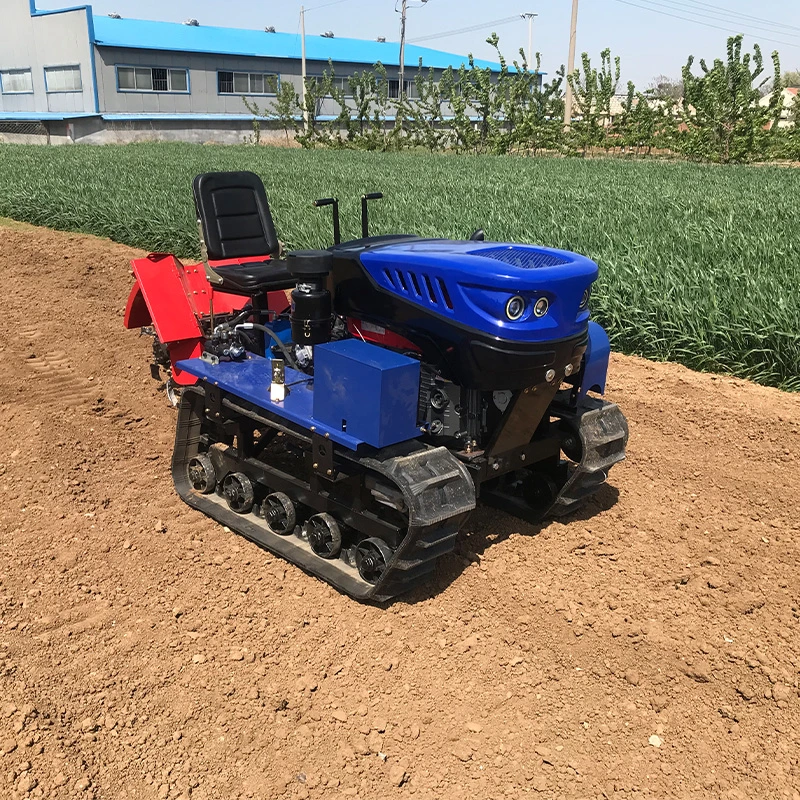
367 391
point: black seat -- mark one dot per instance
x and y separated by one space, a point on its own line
252 278
234 214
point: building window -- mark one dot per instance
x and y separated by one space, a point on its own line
152 79
63 79
411 89
16 81
340 84
247 83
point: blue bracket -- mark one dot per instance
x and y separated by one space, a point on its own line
597 355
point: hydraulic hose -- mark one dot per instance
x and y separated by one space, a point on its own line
254 326
243 314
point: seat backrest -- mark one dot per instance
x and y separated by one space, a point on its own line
233 210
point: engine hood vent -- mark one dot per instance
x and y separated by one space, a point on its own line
522 257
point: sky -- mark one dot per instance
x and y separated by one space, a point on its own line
647 35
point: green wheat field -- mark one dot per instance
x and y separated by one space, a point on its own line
698 264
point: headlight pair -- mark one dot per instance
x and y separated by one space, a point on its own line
515 307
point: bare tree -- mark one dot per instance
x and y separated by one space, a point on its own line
790 78
662 87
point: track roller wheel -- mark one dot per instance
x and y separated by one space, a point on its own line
324 535
279 513
201 474
372 556
238 491
540 491
571 443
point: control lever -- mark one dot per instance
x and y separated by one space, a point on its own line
365 198
332 201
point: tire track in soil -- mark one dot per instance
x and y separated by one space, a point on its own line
57 381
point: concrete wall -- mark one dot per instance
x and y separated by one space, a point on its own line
46 40
57 132
97 131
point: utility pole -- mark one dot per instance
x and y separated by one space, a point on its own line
573 33
303 66
403 12
529 16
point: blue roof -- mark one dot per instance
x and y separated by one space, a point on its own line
150 35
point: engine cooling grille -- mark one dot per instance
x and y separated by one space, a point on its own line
421 287
522 257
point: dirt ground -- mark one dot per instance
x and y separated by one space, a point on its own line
648 648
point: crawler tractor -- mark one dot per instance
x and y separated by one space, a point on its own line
348 408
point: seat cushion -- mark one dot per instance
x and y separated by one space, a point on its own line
252 278
233 210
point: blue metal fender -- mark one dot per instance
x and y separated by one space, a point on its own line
597 354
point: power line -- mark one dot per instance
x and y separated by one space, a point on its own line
325 5
670 4
730 13
698 22
470 29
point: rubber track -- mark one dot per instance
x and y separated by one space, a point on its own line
603 432
436 487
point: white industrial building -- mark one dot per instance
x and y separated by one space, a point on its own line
71 75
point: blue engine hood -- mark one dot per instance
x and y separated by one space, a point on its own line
471 283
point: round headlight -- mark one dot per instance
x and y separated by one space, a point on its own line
515 308
540 309
585 299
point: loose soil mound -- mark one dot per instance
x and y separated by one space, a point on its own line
649 647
